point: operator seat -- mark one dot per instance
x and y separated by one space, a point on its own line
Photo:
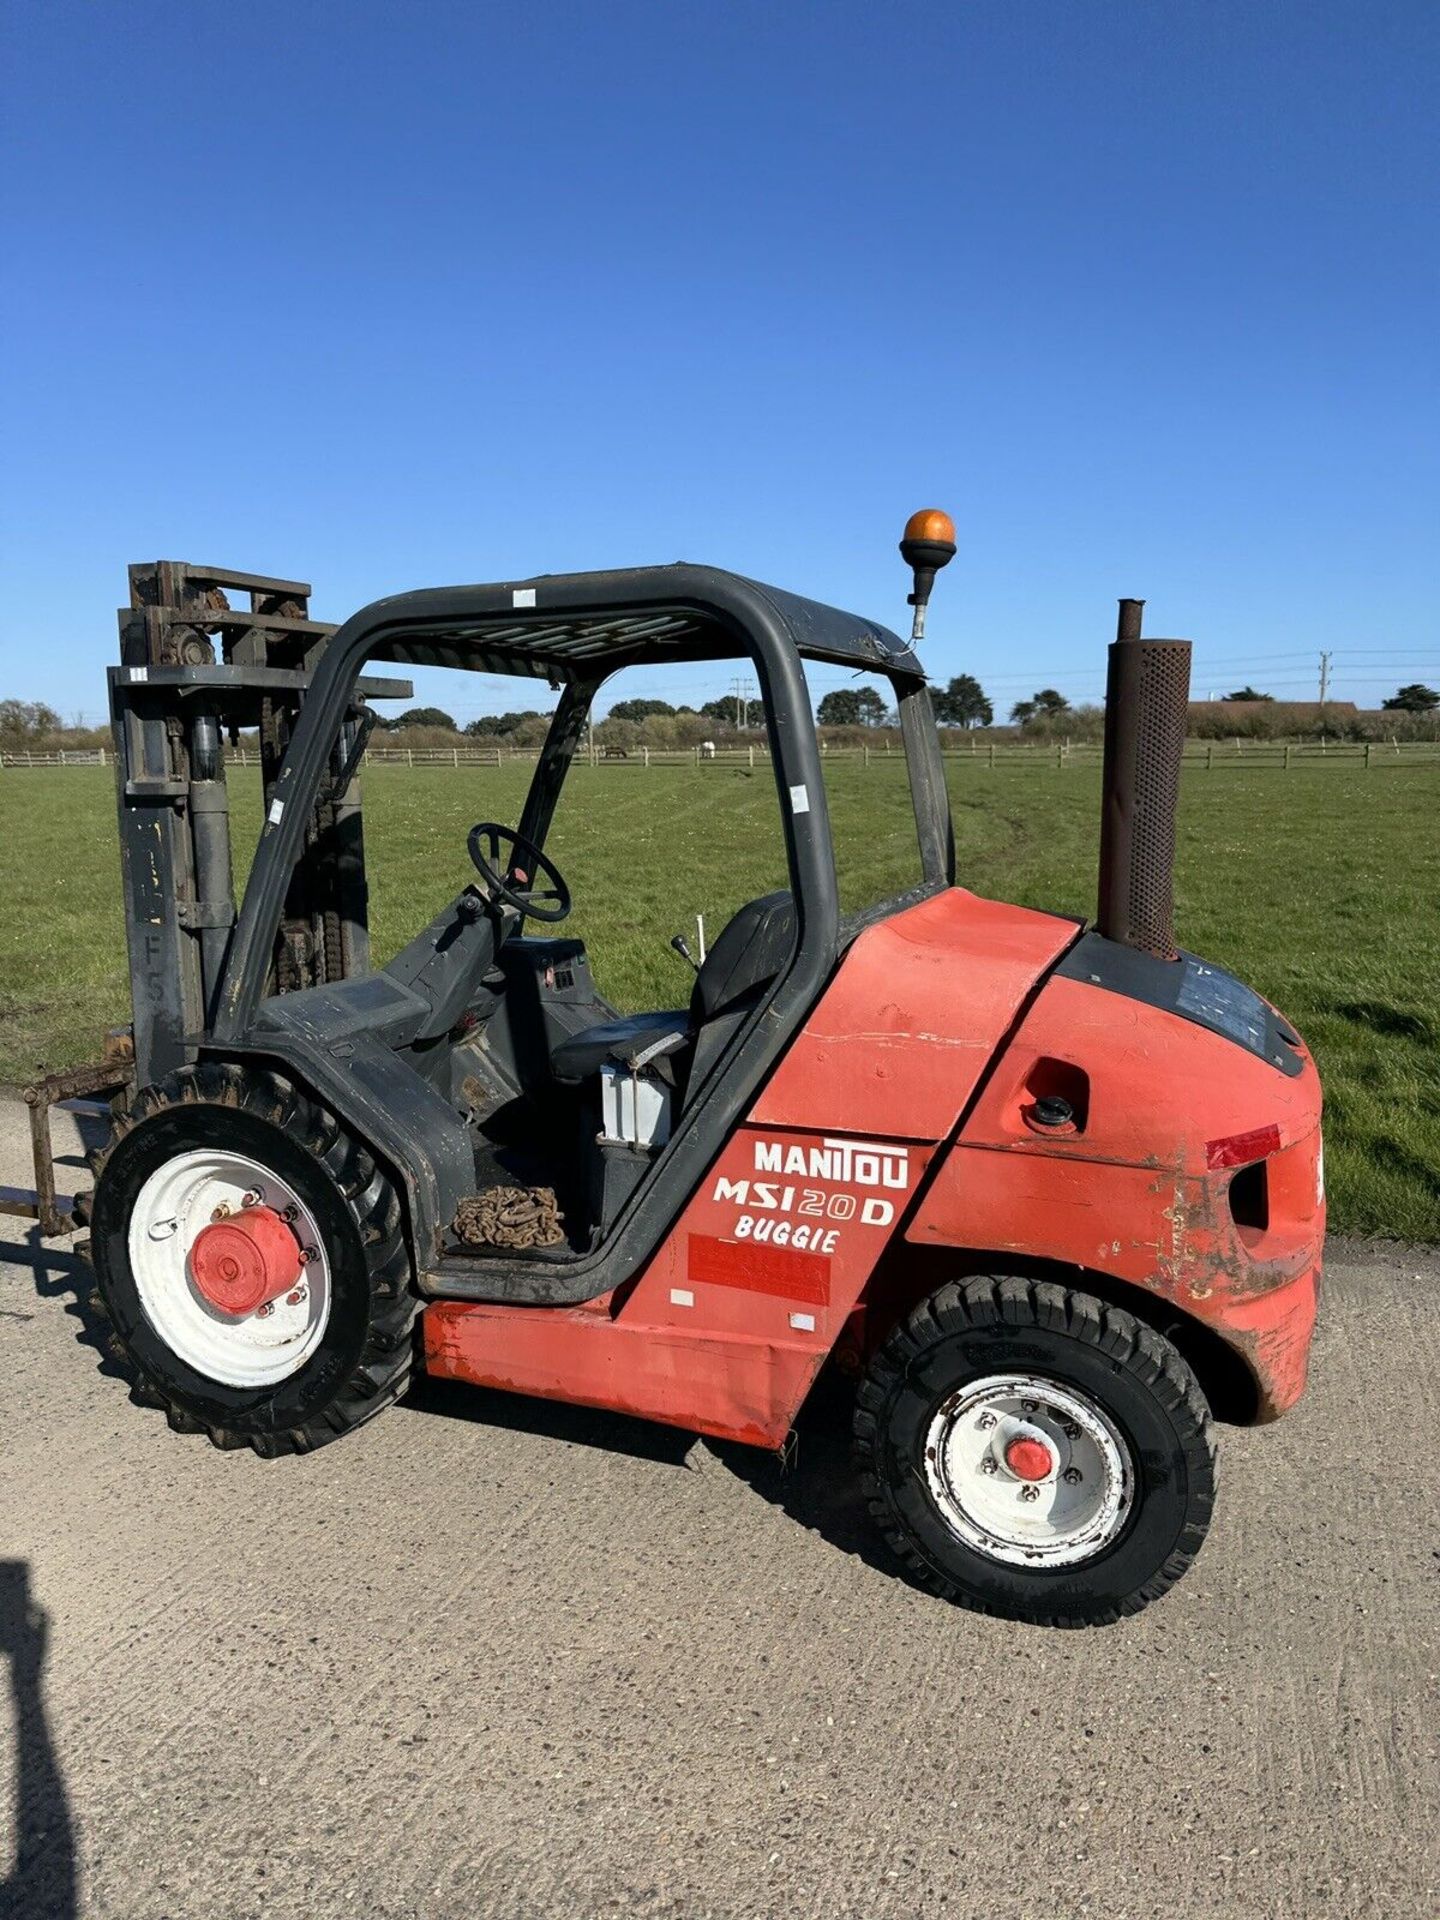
682 1046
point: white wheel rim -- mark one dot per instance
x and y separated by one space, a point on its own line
1070 1513
173 1207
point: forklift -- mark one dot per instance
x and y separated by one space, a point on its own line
1048 1194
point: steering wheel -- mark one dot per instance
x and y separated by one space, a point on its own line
525 863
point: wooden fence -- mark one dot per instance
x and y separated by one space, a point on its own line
1210 755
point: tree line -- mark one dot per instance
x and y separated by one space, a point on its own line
855 712
961 703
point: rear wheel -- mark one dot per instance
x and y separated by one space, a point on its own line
1032 1452
250 1256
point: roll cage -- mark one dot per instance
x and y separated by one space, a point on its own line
578 630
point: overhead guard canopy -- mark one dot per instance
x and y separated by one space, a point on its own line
583 626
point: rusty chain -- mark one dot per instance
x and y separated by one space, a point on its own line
510 1217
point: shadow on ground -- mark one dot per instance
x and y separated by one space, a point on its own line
41 1882
813 1480
61 1275
550 1419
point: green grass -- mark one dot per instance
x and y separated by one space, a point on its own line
1320 887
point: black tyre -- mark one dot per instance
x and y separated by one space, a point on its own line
305 1366
1031 1452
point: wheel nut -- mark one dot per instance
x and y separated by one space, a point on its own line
1070 1430
310 1255
222 1212
290 1214
1071 1476
1029 1406
1029 1493
253 1198
294 1299
987 1465
266 1311
985 1422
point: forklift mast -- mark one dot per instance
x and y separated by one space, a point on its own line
194 671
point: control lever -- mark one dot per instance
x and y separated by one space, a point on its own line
682 947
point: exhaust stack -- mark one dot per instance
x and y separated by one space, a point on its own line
1147 692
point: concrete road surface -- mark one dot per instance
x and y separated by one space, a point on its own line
493 1658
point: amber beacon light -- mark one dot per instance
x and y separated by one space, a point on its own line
927 544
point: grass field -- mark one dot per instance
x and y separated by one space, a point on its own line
1321 887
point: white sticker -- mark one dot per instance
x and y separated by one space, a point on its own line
803 1322
522 597
681 1297
799 799
277 809
139 673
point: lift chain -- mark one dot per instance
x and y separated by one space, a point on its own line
510 1217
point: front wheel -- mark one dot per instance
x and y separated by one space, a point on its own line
251 1259
1032 1452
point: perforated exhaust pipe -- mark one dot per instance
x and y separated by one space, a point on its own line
1147 693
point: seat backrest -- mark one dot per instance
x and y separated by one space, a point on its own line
749 953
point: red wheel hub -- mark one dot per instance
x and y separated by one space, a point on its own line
241 1263
1028 1459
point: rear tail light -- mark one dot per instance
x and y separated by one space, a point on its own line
1239 1149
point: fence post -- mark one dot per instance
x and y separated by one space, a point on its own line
752 759
992 757
1209 755
1287 756
1059 758
866 752
409 756
1367 753
646 752
102 756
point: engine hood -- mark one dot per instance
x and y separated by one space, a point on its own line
913 1016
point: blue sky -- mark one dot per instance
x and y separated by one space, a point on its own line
1145 295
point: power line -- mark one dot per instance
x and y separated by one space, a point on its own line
743 691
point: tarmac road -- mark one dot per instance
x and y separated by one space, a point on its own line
492 1658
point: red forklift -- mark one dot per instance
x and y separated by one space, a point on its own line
1050 1193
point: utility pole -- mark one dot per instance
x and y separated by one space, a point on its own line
1324 676
743 694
